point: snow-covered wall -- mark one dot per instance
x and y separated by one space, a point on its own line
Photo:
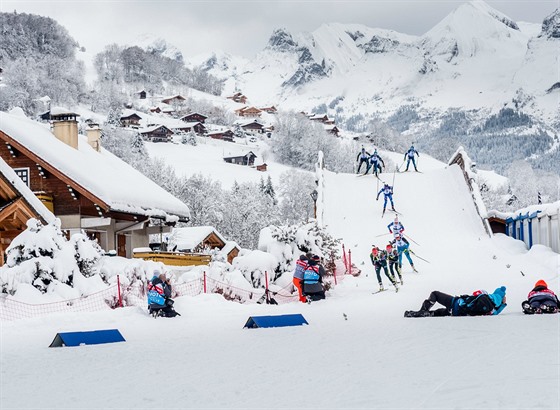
461 158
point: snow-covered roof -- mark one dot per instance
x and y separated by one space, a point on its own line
25 192
191 237
62 111
536 210
152 128
190 124
107 177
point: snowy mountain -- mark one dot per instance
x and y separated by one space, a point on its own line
154 44
476 58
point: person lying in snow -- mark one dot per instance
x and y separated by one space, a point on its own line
480 303
541 300
159 296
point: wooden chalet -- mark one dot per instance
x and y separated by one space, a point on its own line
270 110
238 98
141 94
197 239
87 187
248 112
130 120
194 117
226 135
246 159
17 205
156 133
319 117
332 129
173 100
254 127
196 127
262 167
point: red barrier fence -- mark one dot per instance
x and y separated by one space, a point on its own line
134 294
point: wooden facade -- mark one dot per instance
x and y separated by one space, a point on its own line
158 133
15 211
238 98
141 94
194 117
253 127
196 127
226 135
132 120
247 159
248 112
176 99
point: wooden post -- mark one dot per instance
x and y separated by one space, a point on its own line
266 287
344 258
119 290
204 281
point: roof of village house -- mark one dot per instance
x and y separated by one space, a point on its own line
152 128
116 184
192 236
193 113
9 175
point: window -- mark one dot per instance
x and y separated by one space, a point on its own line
23 173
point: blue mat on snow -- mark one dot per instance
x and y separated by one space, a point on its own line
94 337
275 321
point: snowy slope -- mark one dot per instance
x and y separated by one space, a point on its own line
374 359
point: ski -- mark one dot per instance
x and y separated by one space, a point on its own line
379 291
383 234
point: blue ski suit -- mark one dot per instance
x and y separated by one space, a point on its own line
376 161
363 156
410 154
402 246
388 193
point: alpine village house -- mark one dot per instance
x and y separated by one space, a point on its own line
84 185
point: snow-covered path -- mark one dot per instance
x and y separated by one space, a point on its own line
374 359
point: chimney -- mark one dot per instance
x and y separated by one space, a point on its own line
94 136
65 126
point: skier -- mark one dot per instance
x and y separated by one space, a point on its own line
379 260
396 227
410 154
388 193
403 248
541 300
480 303
375 160
393 261
301 265
363 156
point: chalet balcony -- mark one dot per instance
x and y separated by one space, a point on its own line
172 258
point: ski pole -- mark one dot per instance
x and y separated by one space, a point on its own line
419 257
412 240
383 234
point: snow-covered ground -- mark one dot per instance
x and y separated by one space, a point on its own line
357 352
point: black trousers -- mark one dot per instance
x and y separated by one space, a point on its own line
441 298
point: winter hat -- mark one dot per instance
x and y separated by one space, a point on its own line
541 283
316 258
498 296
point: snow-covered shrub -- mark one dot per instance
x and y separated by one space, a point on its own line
41 255
287 243
254 264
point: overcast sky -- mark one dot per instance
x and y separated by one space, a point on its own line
243 27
